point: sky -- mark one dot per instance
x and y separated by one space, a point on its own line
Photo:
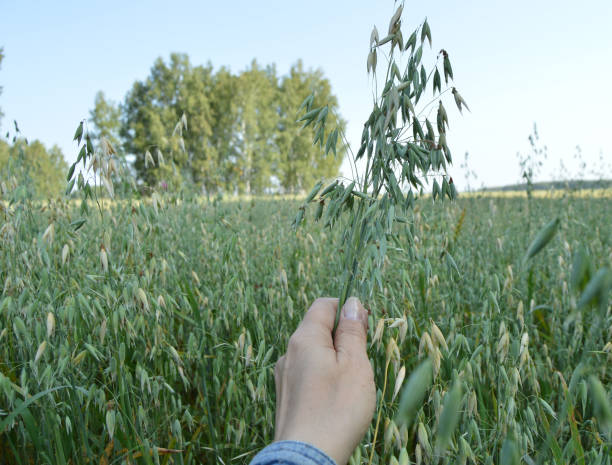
515 63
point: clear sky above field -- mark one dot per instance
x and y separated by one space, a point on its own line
515 63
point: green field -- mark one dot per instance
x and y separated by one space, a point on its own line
164 352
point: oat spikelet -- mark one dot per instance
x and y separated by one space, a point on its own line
102 330
49 234
438 336
40 351
398 381
103 259
65 254
148 159
50 324
378 333
503 346
142 297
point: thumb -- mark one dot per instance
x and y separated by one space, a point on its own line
351 335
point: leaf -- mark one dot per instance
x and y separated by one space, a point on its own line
509 454
542 238
601 402
449 417
580 270
596 289
413 392
24 405
78 224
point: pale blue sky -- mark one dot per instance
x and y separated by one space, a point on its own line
515 63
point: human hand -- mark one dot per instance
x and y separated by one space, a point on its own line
325 392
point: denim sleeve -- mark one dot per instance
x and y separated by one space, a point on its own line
291 453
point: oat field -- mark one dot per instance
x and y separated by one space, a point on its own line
149 332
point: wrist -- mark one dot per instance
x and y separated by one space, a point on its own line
292 452
326 443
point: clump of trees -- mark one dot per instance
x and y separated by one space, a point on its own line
30 170
224 132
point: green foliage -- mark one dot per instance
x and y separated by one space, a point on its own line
163 343
241 136
105 118
301 162
153 107
398 153
222 168
31 169
543 237
413 393
255 128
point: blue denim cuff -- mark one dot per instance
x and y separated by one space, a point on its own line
291 453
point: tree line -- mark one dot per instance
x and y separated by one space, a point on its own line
223 132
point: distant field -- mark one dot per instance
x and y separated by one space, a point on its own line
569 185
149 335
544 194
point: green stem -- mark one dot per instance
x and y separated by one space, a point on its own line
353 255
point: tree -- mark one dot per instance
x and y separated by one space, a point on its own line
38 172
105 118
257 119
224 110
302 163
152 109
235 133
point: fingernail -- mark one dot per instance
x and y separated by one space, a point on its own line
353 310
